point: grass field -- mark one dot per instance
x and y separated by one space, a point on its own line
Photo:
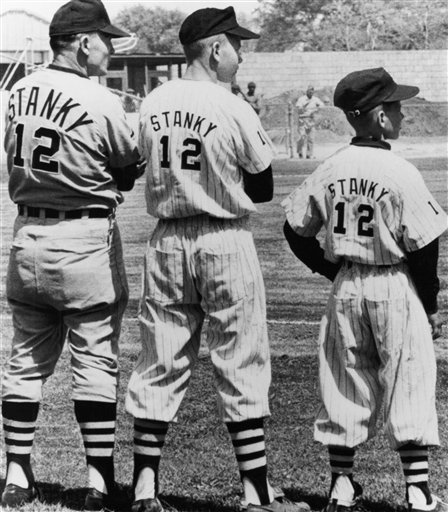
198 471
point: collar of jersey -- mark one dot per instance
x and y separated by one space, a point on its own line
67 70
369 142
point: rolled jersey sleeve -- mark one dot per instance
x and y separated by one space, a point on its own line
422 218
254 148
302 211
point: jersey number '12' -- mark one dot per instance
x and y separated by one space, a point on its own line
41 155
366 216
193 150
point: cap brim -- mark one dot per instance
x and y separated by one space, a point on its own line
402 92
243 33
113 31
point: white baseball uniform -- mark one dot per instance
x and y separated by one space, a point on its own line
66 275
201 263
375 341
307 107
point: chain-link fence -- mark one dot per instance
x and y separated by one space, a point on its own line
421 119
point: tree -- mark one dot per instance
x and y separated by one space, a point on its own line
284 24
347 25
157 29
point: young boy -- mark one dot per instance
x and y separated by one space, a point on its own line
381 250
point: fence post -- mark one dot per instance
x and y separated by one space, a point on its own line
289 146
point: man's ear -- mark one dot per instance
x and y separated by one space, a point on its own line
381 118
216 51
84 44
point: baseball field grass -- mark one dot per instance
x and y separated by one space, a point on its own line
198 470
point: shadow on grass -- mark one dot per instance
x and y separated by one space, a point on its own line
318 502
54 494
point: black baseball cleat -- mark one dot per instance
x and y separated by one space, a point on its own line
147 505
96 500
15 496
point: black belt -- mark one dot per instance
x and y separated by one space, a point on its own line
49 213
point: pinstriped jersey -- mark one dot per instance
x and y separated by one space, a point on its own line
196 137
374 205
64 133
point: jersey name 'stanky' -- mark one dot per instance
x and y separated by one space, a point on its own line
374 205
64 134
196 149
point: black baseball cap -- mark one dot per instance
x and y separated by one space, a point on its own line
210 22
79 16
361 91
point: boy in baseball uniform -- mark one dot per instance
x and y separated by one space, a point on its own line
70 153
381 251
209 161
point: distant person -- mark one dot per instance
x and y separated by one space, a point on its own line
307 105
130 104
253 97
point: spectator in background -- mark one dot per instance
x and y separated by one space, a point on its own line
129 103
236 89
307 105
253 97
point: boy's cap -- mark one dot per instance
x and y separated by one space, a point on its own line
360 91
79 16
210 22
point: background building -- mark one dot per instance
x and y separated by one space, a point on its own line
25 46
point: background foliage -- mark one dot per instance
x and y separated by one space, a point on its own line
310 25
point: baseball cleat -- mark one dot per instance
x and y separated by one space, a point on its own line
15 496
147 505
440 506
95 500
280 505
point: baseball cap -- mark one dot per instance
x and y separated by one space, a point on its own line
83 16
360 91
211 21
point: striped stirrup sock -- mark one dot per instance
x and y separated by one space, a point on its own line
341 460
414 460
149 439
19 426
250 450
97 423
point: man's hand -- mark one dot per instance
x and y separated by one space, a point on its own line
436 325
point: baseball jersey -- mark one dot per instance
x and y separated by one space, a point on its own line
64 133
374 205
196 137
308 106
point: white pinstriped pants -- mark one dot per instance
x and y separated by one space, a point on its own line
201 268
376 350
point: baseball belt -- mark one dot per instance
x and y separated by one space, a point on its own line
49 213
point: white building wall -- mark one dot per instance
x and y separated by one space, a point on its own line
275 73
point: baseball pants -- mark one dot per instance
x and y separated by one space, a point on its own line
66 280
305 137
196 269
376 350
